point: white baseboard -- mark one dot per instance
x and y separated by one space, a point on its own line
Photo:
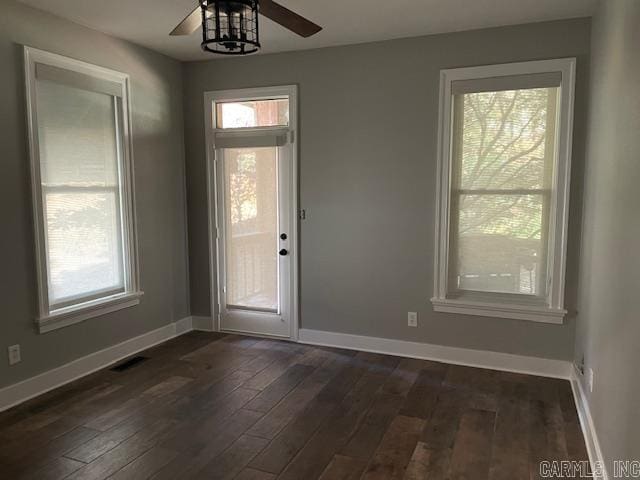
458 356
183 325
203 323
588 428
32 387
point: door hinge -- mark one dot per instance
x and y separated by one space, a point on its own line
302 214
292 136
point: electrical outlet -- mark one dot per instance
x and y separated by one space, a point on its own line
412 319
591 379
14 354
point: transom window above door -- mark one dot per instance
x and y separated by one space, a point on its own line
503 192
253 113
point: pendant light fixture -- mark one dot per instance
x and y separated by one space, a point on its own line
230 27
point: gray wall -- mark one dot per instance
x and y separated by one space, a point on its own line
160 198
368 165
608 306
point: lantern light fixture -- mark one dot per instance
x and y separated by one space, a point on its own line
230 27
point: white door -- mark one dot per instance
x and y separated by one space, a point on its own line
255 220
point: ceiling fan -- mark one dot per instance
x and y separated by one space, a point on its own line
230 27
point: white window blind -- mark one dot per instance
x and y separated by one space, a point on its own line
503 147
78 137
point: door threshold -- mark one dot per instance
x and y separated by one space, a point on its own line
257 334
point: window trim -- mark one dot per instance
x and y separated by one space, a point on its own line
49 318
490 306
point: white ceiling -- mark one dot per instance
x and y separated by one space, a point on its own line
148 22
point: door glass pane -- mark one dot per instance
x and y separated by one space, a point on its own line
251 228
254 113
79 168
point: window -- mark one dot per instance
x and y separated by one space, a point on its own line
81 176
503 190
253 113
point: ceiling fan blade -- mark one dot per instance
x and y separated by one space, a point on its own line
190 23
287 18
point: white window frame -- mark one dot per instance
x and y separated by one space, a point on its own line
48 318
496 305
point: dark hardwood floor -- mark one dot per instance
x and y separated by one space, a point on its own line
211 406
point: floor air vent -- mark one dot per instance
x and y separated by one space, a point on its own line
129 363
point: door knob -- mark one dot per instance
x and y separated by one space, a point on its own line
283 252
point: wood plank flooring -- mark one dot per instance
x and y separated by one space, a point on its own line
214 406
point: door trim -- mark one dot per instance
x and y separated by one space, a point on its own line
290 91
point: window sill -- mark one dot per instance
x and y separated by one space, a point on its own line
79 313
501 310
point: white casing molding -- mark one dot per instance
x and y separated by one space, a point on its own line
543 367
32 387
588 427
